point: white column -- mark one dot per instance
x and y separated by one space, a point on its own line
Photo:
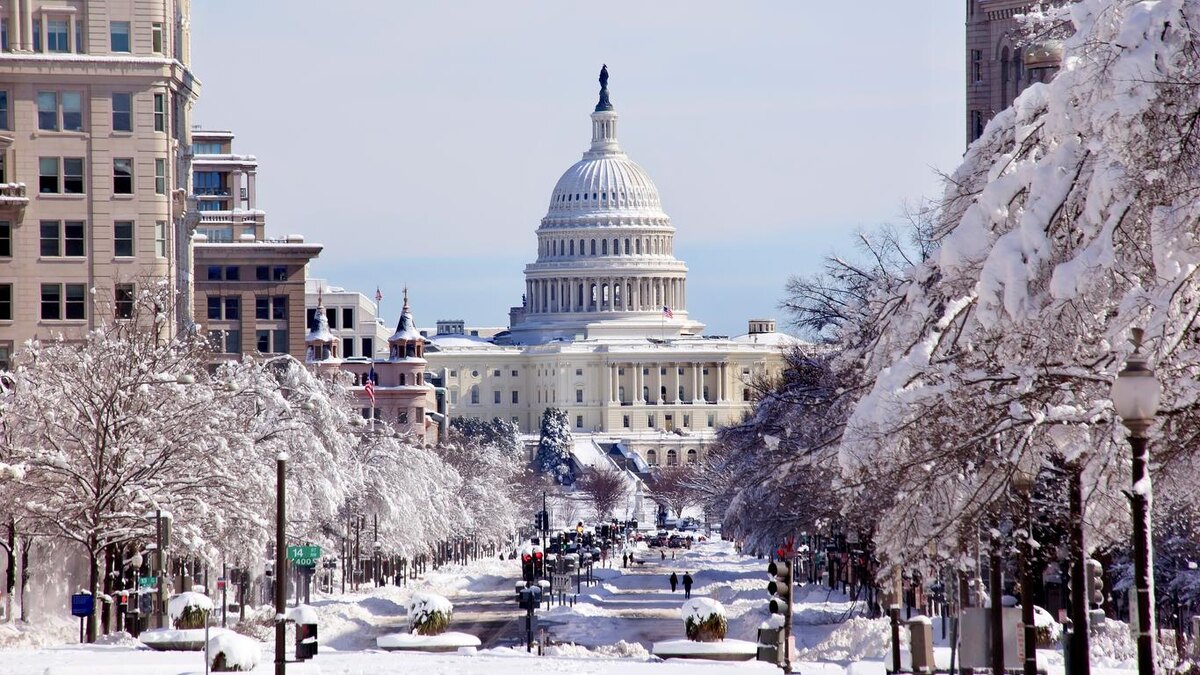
27 31
71 32
723 374
251 191
235 190
16 28
616 383
675 381
696 391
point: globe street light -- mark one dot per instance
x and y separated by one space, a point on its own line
1135 397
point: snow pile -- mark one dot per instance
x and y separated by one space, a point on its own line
232 652
121 639
1112 645
858 639
302 614
441 642
41 633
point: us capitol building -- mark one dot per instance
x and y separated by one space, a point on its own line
603 330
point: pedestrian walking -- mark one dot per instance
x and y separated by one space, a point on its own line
674 581
687 585
624 560
664 554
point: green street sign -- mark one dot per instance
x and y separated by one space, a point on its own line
147 582
304 556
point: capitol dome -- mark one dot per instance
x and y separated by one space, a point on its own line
606 262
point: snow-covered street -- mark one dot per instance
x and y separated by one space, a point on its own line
610 629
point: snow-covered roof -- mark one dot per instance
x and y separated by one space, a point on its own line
320 330
771 339
463 341
406 329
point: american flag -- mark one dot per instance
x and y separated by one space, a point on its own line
668 313
369 387
378 295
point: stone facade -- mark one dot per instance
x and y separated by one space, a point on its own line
95 108
999 66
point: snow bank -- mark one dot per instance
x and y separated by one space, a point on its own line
687 648
234 652
171 639
858 639
442 642
302 614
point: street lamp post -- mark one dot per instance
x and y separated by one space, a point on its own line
280 563
1135 397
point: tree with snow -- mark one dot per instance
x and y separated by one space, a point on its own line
606 489
555 443
674 487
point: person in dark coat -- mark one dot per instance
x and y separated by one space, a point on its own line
674 581
687 584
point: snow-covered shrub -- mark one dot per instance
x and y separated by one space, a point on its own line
555 442
189 610
429 613
704 620
1049 631
233 653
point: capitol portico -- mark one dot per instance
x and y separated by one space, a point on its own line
603 330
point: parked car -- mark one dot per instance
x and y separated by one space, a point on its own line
675 541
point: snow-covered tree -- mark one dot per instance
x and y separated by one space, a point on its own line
110 428
675 487
555 443
605 489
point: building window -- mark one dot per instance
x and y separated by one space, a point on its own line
208 183
6 307
160 112
72 175
123 238
496 397
156 38
453 397
403 417
348 317
514 396
579 372
579 396
123 301
368 347
652 457
214 308
625 421
64 301
160 238
119 36
123 176
226 341
271 341
5 239
672 458
279 273
692 457
712 420
514 373
976 65
745 394
62 239
579 421
160 176
348 347
47 107
262 308
454 373
650 421
474 394
976 124
37 35
72 111
687 420
122 112
279 308
496 373
331 315
4 110
4 34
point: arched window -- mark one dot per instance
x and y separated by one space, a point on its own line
626 246
593 247
672 458
1004 76
604 247
638 246
652 457
572 247
402 378
474 394
692 456
616 246
745 394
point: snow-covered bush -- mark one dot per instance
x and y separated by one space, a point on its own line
233 653
554 445
429 613
1049 631
704 620
189 610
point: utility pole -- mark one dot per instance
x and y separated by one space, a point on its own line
280 563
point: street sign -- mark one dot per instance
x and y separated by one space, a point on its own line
147 582
304 556
220 583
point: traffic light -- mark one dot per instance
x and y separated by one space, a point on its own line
780 588
1094 576
539 564
527 567
774 632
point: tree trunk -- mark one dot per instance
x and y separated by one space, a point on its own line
94 587
10 572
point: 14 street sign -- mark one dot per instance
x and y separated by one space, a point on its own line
304 556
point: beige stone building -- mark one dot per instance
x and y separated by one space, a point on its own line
999 65
95 105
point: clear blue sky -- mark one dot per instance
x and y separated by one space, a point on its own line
419 142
